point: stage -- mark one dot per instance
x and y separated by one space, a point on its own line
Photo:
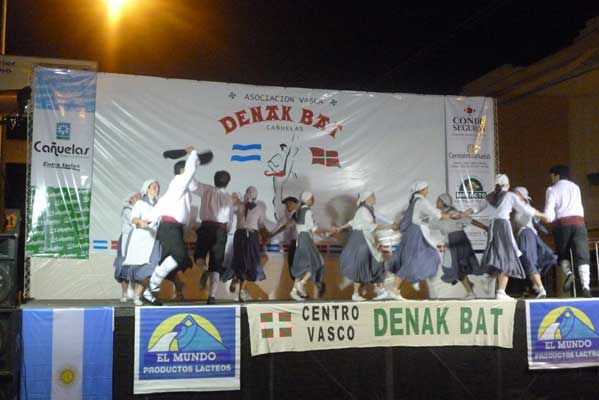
456 372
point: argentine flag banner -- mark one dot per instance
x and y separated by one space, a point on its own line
186 349
67 353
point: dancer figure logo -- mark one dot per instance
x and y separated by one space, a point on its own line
327 158
269 325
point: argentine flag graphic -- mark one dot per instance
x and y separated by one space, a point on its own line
67 353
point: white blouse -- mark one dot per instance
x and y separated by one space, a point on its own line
308 225
424 213
254 219
363 221
141 242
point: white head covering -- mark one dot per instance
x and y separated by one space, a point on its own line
418 186
502 180
363 196
251 194
446 199
146 186
306 196
523 191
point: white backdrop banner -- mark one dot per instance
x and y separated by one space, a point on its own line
321 326
470 154
281 140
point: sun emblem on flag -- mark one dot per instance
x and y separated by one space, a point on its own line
67 376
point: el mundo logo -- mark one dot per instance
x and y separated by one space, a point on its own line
185 333
566 323
271 324
470 188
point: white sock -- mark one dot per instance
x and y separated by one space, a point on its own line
161 272
214 277
565 264
585 276
502 291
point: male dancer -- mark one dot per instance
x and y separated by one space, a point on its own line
286 224
172 212
216 214
563 207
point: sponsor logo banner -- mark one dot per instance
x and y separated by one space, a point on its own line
186 349
321 326
61 163
470 155
562 334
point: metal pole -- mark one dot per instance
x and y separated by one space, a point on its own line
3 33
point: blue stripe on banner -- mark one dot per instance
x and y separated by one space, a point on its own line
97 353
245 147
36 373
96 247
246 158
100 241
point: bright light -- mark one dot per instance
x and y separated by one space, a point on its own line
115 7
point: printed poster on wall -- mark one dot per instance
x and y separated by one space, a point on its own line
304 327
61 163
470 155
562 334
186 349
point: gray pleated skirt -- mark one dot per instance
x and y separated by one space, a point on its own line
539 257
357 263
463 259
139 273
121 272
500 254
245 265
307 259
416 260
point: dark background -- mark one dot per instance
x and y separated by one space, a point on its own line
400 46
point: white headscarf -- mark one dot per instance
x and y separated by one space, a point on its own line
523 191
446 199
363 196
502 180
418 186
146 186
251 194
306 196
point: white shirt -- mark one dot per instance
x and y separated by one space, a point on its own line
141 242
286 218
217 204
364 221
308 225
563 199
524 220
423 214
126 227
176 202
509 203
254 219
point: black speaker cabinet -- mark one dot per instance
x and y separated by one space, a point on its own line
8 270
10 353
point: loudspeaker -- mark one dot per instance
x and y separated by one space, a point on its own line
8 270
10 353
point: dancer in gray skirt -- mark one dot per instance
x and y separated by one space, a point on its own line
502 255
459 259
537 257
120 271
361 260
307 262
417 258
143 250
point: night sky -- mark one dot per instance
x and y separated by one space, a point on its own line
416 47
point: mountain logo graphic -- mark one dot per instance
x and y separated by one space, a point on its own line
566 323
185 332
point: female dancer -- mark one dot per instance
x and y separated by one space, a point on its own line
361 260
502 256
536 257
417 258
121 273
307 262
246 266
143 252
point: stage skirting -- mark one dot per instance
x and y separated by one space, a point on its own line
422 369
